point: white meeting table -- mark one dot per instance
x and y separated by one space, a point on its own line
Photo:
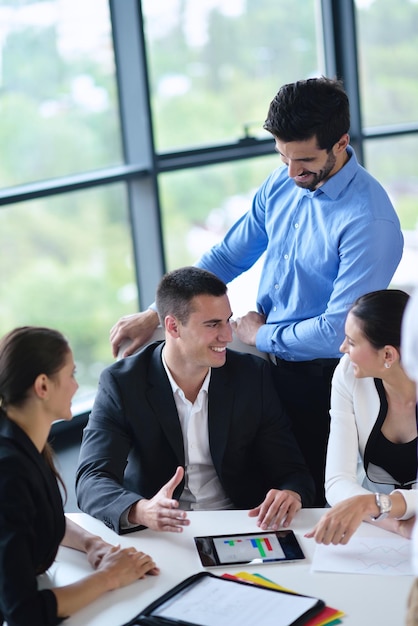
367 600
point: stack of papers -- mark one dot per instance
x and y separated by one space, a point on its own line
327 617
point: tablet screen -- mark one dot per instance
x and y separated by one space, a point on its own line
248 548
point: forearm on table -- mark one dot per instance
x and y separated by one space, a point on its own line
77 537
400 527
72 598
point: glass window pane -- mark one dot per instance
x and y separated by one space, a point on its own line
393 162
215 65
58 98
70 268
193 221
388 50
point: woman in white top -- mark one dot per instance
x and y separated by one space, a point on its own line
371 463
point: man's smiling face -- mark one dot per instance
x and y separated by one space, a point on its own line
203 339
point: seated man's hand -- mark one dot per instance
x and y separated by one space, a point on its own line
278 509
161 512
137 327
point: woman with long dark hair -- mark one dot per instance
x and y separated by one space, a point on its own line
37 383
374 419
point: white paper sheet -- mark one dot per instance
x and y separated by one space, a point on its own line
387 556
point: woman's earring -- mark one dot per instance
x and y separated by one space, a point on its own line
387 365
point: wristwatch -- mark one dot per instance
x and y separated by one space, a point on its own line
384 503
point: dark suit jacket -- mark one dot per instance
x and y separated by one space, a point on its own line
133 441
32 525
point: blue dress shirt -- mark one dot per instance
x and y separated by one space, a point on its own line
324 248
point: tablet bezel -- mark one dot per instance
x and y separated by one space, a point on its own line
288 541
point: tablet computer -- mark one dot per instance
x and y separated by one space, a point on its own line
248 548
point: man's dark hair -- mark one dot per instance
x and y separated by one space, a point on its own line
317 107
178 288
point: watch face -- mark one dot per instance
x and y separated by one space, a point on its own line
385 503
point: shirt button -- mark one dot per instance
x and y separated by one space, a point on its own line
296 225
286 256
276 286
275 308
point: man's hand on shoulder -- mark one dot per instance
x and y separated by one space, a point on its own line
138 328
161 512
278 509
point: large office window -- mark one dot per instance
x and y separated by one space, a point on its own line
66 259
214 65
132 138
66 262
388 89
58 90
387 46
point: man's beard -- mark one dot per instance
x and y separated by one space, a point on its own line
321 175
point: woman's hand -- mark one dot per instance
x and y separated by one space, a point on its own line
340 522
115 567
123 566
96 548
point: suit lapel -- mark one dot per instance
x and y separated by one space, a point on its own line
160 397
220 403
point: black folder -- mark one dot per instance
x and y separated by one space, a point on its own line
205 599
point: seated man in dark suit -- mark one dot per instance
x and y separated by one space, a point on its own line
186 424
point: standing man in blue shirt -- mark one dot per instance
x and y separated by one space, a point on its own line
329 233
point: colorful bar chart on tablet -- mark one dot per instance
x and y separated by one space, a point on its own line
237 550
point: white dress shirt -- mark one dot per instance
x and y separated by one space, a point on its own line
203 490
